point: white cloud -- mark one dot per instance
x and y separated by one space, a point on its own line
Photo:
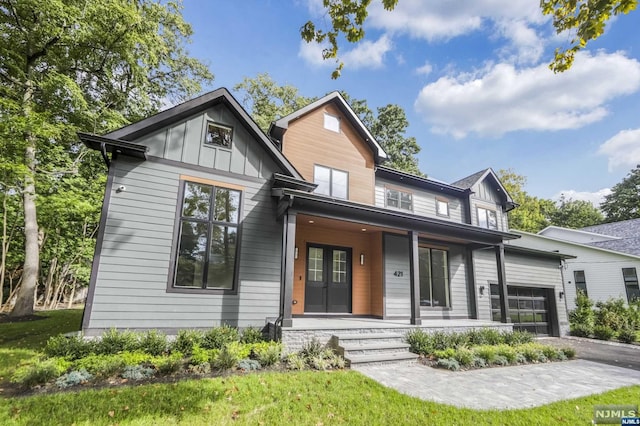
525 45
502 99
366 54
424 69
596 197
623 149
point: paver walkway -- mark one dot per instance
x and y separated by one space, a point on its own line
506 387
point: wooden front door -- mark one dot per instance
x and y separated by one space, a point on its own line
328 284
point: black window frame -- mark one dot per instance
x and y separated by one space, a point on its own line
331 170
446 202
447 252
580 283
627 284
221 126
487 212
400 192
171 287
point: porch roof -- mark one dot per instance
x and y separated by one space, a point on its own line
362 213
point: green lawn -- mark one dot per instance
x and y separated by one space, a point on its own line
34 334
303 398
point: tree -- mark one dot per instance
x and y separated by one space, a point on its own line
267 101
389 129
532 213
73 65
587 18
624 201
574 214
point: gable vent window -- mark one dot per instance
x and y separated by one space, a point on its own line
218 135
331 122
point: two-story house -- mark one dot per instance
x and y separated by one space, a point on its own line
207 220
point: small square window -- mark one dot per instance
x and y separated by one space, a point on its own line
442 207
218 135
331 122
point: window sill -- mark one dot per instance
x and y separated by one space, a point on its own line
435 308
211 291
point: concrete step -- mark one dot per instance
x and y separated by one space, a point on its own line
369 338
373 348
404 357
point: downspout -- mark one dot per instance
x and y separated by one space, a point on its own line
564 290
103 151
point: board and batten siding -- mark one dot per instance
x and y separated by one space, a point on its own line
503 223
424 202
131 283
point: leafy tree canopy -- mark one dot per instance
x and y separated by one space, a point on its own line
624 201
533 212
574 214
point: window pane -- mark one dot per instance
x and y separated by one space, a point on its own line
439 278
406 201
315 264
579 276
540 304
227 205
331 122
525 304
495 289
629 274
633 292
339 266
513 303
493 219
218 135
339 183
222 256
322 177
424 263
393 198
442 208
191 254
197 199
496 316
495 303
482 218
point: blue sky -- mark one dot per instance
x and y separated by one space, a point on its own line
471 75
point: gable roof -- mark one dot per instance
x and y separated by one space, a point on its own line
193 106
627 233
471 180
279 127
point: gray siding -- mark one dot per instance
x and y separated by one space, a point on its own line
485 268
424 202
183 142
131 285
396 288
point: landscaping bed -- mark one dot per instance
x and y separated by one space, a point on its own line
482 348
610 320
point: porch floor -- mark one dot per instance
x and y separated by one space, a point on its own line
374 323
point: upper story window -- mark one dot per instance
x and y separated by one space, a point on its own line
331 182
442 207
208 237
631 283
581 282
218 135
487 218
399 199
331 122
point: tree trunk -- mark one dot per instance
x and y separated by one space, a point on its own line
5 248
25 298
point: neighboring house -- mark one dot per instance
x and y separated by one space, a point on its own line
207 220
623 236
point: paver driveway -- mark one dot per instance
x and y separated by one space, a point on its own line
626 356
506 387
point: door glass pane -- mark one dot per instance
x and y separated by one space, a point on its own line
322 178
541 317
514 316
439 278
339 274
191 254
542 329
227 205
424 262
496 316
315 264
539 292
197 199
222 256
525 292
513 303
495 290
525 304
540 305
526 316
495 303
512 291
339 184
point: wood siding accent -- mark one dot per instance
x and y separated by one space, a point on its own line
307 143
361 274
132 275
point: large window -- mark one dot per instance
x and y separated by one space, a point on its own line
332 182
434 277
208 241
631 283
399 199
487 218
581 282
218 135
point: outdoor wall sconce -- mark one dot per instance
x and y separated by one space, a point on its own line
361 258
481 290
561 294
295 253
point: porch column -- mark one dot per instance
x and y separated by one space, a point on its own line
288 254
415 278
502 283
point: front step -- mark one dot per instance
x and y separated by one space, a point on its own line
357 360
373 348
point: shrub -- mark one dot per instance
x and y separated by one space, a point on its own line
612 314
419 341
103 365
311 349
602 332
168 364
114 341
464 357
251 335
186 340
319 362
41 372
449 364
507 352
532 352
200 355
581 330
73 378
230 355
445 354
249 365
154 343
134 358
486 352
479 362
338 362
219 337
70 347
520 359
204 368
517 337
552 354
570 353
268 354
500 360
627 335
296 361
137 372
582 317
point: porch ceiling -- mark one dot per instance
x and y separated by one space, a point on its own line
344 225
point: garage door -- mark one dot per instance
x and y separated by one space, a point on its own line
528 308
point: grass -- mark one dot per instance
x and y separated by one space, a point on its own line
302 398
